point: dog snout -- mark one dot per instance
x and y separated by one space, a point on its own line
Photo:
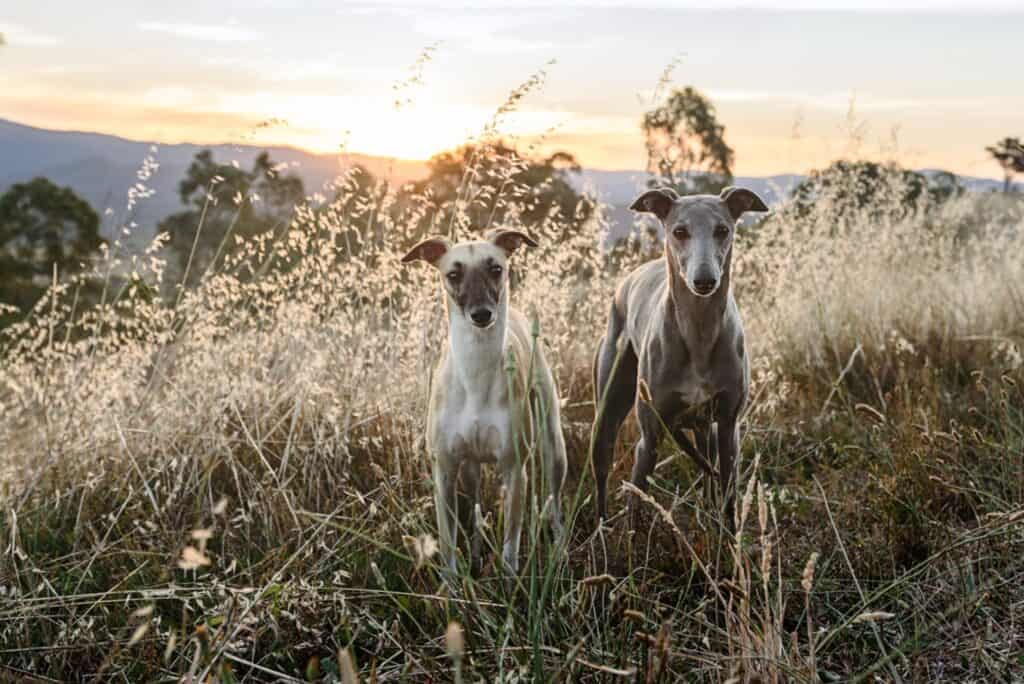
704 285
481 317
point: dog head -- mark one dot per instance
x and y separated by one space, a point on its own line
474 274
699 231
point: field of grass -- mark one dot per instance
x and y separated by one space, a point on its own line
231 483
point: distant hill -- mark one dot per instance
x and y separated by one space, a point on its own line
101 169
617 189
621 187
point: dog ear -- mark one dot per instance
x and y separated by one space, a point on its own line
510 240
740 200
430 250
657 201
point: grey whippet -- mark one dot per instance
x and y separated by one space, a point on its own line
476 414
674 326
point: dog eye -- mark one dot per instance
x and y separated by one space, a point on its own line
721 230
453 277
681 232
495 270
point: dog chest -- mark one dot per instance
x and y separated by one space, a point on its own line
694 388
696 392
480 433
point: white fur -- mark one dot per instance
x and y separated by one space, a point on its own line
476 417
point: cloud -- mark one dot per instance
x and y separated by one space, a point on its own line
955 6
171 96
491 32
210 32
834 101
15 34
329 68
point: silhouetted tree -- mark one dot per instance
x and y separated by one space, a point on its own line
1009 153
943 185
686 145
42 226
226 202
846 190
355 216
485 185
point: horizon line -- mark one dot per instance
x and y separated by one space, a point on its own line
355 153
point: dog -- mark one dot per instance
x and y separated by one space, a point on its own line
675 331
484 406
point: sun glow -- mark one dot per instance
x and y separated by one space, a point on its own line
369 126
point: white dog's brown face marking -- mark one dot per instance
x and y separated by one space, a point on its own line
474 274
475 279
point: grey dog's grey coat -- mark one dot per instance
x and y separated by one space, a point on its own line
674 326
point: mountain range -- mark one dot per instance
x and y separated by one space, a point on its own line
101 168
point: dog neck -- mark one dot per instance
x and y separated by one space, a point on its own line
478 354
697 320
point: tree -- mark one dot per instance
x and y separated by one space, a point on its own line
360 213
845 191
1009 153
226 201
686 146
943 185
856 184
42 226
483 185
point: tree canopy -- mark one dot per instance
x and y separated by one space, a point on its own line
846 190
1009 153
483 185
42 226
225 201
686 146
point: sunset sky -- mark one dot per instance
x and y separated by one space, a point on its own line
931 83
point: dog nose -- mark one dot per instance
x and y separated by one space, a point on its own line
481 317
704 285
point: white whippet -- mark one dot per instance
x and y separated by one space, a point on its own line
478 413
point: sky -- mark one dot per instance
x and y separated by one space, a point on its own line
796 83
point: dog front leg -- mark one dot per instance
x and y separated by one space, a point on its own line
647 447
515 494
447 511
646 453
728 453
706 444
471 480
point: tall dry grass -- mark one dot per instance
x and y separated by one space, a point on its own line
230 481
